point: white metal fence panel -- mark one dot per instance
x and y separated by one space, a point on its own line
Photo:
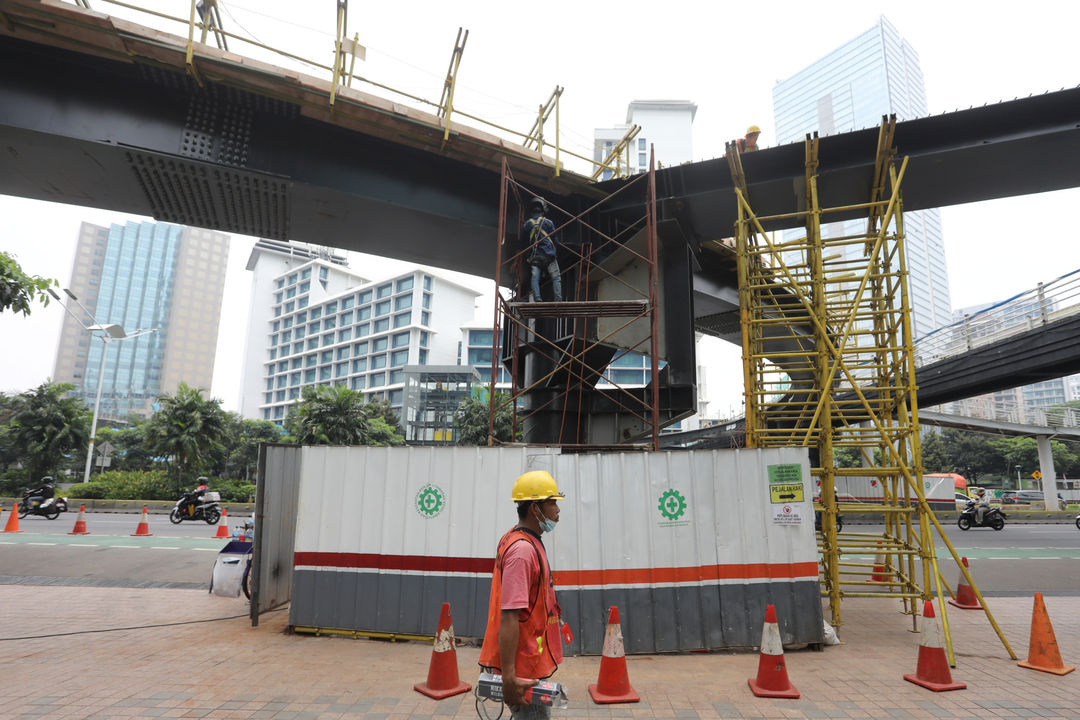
690 545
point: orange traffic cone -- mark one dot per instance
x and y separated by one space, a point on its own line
965 597
143 530
1043 653
442 678
879 567
80 523
932 671
223 526
13 520
772 679
613 684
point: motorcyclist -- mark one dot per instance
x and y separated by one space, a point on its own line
194 497
43 493
981 505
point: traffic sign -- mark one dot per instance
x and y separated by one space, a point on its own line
785 494
1037 475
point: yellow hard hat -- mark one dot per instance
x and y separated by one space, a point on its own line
753 129
536 485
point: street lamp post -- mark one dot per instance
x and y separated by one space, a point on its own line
107 332
1018 486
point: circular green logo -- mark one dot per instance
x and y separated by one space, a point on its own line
672 504
430 501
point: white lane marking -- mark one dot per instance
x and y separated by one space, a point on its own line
37 543
161 547
83 545
125 546
207 549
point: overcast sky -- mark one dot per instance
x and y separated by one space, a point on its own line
725 60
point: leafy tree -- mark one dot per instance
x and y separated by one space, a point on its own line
847 457
337 415
935 454
239 452
44 427
971 454
17 289
130 449
471 419
381 408
188 428
1024 451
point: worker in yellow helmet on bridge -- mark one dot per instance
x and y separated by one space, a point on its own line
749 143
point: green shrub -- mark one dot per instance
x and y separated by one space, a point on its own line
153 485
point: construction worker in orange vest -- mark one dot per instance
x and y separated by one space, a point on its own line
523 640
749 143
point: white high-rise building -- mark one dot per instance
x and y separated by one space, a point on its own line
665 125
875 74
315 322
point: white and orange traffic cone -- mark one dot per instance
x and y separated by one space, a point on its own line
879 574
13 520
1043 652
143 529
613 684
772 678
223 526
932 671
80 523
443 680
965 597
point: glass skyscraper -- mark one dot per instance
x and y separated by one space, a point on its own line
875 74
143 276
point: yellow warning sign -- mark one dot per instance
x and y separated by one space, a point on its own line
1037 475
786 493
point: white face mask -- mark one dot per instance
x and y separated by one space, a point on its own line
545 524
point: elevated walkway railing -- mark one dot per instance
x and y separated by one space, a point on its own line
1039 306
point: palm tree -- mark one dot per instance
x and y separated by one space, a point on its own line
337 415
44 426
471 419
187 427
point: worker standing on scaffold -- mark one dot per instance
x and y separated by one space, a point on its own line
537 241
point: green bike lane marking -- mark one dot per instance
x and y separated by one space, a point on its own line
115 541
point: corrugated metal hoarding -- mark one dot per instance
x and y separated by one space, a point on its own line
690 545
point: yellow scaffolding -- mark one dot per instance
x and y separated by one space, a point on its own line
828 363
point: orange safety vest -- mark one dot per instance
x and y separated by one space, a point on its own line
539 650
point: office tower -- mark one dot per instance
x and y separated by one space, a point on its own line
875 74
665 125
143 276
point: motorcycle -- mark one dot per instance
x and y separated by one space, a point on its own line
1078 522
992 518
61 502
204 507
36 505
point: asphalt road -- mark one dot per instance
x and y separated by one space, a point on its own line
1015 561
174 556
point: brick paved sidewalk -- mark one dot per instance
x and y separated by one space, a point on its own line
226 669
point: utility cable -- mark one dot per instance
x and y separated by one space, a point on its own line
133 627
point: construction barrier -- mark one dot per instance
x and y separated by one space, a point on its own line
613 684
686 544
1043 652
80 523
143 528
443 679
772 678
12 525
223 527
932 670
965 597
